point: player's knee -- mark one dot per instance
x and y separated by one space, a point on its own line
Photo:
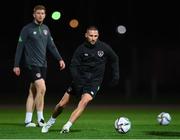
60 105
40 86
31 95
87 98
85 102
41 89
63 102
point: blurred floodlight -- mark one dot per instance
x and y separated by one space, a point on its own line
56 15
121 29
73 23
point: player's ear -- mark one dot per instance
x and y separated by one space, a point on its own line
86 35
34 15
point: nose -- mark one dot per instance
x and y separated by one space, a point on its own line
93 38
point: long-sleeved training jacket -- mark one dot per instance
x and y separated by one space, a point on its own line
34 41
88 63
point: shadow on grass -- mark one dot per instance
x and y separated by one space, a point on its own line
163 133
12 124
72 131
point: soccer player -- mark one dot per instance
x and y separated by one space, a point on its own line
87 69
34 41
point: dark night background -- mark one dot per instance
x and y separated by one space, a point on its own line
149 51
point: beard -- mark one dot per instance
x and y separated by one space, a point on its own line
38 21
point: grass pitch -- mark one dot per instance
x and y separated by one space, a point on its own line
97 122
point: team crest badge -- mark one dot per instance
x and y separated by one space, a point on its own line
45 32
100 53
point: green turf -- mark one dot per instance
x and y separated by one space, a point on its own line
95 123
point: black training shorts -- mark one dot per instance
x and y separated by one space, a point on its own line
78 90
34 73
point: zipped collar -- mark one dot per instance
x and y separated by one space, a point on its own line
37 23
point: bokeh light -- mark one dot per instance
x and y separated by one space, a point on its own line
73 23
56 15
121 29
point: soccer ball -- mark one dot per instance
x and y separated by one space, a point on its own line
122 125
164 118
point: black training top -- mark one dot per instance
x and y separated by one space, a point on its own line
88 63
33 43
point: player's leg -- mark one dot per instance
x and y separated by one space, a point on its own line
61 105
39 100
56 112
85 99
30 106
38 76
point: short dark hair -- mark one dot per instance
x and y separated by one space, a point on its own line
91 27
39 7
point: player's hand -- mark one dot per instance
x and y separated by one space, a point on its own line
62 64
17 71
